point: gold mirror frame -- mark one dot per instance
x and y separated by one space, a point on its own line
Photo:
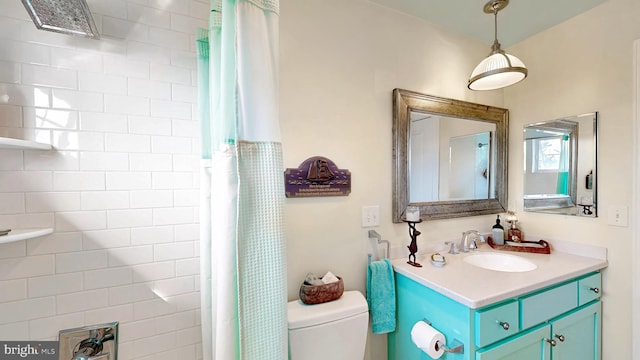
405 101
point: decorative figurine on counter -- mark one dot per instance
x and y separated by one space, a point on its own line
412 217
413 247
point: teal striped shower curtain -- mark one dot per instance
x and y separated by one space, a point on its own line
242 251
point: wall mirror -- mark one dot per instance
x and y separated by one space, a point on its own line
560 166
449 156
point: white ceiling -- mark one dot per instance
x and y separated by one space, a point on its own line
519 20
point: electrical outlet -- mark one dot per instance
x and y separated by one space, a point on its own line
370 216
618 216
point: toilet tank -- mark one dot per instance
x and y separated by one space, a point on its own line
335 330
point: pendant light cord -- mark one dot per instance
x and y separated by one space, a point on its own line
495 48
495 22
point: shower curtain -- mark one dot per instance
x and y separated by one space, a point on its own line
562 185
242 248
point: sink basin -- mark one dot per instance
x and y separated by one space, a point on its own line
500 262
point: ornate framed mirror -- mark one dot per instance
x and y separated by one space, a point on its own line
449 156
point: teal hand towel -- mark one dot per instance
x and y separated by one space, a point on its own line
381 296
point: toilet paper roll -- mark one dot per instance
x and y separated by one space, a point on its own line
428 339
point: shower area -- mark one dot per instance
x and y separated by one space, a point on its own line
110 88
469 166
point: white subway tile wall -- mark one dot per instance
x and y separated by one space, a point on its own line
120 187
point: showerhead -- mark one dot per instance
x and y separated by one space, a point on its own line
64 16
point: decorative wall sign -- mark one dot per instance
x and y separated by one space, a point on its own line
317 176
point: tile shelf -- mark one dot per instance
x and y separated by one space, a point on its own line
17 144
24 234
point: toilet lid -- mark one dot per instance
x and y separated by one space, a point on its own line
301 315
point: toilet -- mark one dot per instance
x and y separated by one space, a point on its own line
335 330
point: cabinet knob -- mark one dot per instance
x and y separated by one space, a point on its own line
560 337
551 341
504 324
595 290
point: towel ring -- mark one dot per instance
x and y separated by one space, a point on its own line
374 235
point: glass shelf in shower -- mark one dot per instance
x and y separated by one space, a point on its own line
17 144
24 234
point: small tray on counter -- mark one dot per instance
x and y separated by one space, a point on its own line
538 247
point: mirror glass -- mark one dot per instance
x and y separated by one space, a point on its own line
449 156
560 166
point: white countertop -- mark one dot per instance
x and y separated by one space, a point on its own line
476 287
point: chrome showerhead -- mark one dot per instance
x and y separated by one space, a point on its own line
63 16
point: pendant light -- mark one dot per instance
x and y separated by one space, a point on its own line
499 69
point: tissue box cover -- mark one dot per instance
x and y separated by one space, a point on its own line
317 294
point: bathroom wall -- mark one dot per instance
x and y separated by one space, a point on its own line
120 186
340 61
580 66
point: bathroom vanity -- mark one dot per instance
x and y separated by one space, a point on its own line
551 312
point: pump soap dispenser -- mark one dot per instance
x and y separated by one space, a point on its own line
497 232
513 234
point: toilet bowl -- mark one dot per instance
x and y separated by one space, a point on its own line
335 330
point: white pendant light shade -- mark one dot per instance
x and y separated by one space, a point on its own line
497 71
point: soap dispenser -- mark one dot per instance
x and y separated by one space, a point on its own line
513 234
497 232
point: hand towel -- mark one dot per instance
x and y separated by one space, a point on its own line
381 296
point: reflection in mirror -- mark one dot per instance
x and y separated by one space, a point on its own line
560 166
449 156
469 159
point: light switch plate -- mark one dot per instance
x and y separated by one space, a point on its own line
370 216
618 216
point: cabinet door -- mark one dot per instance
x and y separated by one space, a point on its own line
577 335
531 345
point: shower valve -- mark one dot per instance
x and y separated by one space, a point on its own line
96 342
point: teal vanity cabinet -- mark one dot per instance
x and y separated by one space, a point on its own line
557 322
570 337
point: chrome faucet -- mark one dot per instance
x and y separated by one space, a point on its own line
470 240
453 247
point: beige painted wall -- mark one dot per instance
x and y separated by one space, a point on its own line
340 61
584 65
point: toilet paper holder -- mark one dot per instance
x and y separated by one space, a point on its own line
456 347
